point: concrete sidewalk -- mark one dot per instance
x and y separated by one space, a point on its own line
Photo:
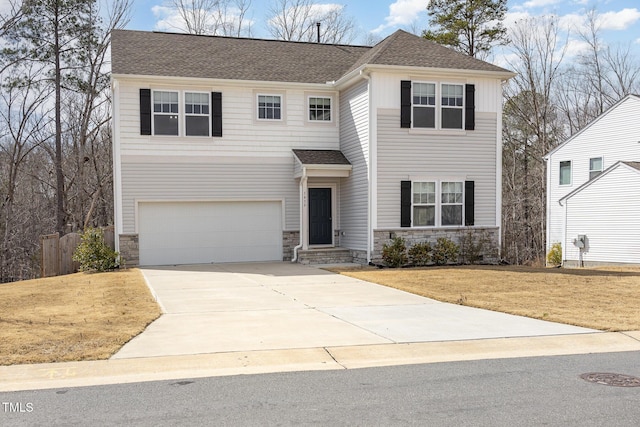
235 319
278 306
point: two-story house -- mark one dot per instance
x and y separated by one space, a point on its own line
593 190
232 149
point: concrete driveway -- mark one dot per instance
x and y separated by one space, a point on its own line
269 306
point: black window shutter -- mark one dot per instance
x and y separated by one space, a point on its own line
405 104
216 113
470 107
145 111
469 202
405 203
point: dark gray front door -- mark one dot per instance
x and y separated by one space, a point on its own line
320 224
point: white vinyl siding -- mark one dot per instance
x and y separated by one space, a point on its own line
606 211
243 135
354 191
614 137
217 180
403 156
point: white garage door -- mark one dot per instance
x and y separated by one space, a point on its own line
206 232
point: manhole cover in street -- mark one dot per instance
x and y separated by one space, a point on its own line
616 380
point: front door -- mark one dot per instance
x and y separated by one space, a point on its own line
320 223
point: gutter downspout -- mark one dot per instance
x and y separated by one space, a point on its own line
365 74
303 182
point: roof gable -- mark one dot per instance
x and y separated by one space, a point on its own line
230 58
597 119
405 49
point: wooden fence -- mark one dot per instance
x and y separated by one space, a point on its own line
57 252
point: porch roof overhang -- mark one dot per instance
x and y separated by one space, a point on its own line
321 163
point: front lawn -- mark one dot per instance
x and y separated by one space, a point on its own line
604 298
79 316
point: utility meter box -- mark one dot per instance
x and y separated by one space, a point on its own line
580 241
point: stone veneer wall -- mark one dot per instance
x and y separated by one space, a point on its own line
290 239
418 235
129 250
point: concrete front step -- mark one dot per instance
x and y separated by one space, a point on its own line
325 256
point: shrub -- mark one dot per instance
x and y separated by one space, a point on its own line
93 254
554 257
395 254
445 251
477 246
420 254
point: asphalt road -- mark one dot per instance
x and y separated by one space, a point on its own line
505 392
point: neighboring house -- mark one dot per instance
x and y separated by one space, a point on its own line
593 190
229 149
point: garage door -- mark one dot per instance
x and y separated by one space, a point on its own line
206 232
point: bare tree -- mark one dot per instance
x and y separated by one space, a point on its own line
531 128
213 17
24 117
296 20
602 75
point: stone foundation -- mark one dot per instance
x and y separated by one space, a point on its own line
460 236
129 250
290 239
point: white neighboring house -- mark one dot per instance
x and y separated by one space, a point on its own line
230 149
593 190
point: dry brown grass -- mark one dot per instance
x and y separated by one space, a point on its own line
80 316
604 298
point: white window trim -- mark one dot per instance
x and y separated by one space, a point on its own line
153 113
437 110
439 204
570 173
257 109
185 114
595 170
464 104
438 107
331 111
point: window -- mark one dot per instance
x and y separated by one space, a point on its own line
424 105
437 203
269 107
424 204
427 111
452 105
319 109
196 111
595 167
565 173
165 113
452 203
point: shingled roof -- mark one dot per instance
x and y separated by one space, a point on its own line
321 157
186 55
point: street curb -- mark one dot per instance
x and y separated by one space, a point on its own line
120 371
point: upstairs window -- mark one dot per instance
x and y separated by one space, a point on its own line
319 109
565 173
196 111
452 106
165 113
269 107
595 167
424 105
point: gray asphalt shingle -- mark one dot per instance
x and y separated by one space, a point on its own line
186 55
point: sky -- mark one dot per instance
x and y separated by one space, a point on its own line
620 19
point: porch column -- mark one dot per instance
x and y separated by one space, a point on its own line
304 232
